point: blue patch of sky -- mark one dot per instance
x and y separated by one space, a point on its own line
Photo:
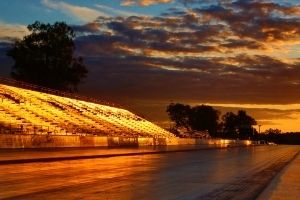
26 12
152 10
294 51
288 2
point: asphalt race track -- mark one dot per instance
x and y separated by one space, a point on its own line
233 173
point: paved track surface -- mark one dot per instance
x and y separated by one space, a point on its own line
233 173
286 185
15 156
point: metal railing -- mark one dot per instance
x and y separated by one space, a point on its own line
14 128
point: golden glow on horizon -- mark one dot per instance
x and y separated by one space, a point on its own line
286 124
265 106
291 124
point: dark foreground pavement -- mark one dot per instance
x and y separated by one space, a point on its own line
233 173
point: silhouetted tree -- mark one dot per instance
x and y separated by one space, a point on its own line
280 138
179 114
273 131
203 118
244 124
230 124
272 134
45 57
240 124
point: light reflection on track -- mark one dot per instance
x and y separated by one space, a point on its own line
181 175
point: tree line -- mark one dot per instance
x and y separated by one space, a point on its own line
229 125
207 118
277 137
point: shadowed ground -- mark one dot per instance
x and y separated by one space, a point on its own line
240 173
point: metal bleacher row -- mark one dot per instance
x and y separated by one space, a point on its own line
32 112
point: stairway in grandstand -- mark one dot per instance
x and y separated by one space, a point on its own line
32 112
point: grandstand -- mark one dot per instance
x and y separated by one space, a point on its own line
30 111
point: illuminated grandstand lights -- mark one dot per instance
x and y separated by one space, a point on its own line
29 111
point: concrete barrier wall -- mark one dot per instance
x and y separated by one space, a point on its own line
45 141
146 141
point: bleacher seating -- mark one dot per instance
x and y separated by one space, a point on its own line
32 112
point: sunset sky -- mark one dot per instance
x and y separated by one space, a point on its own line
145 54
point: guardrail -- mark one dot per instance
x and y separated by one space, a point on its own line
42 130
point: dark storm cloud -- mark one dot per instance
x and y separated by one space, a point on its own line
91 28
204 80
4 47
159 34
262 21
6 62
247 44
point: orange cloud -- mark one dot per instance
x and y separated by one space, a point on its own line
144 2
12 31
